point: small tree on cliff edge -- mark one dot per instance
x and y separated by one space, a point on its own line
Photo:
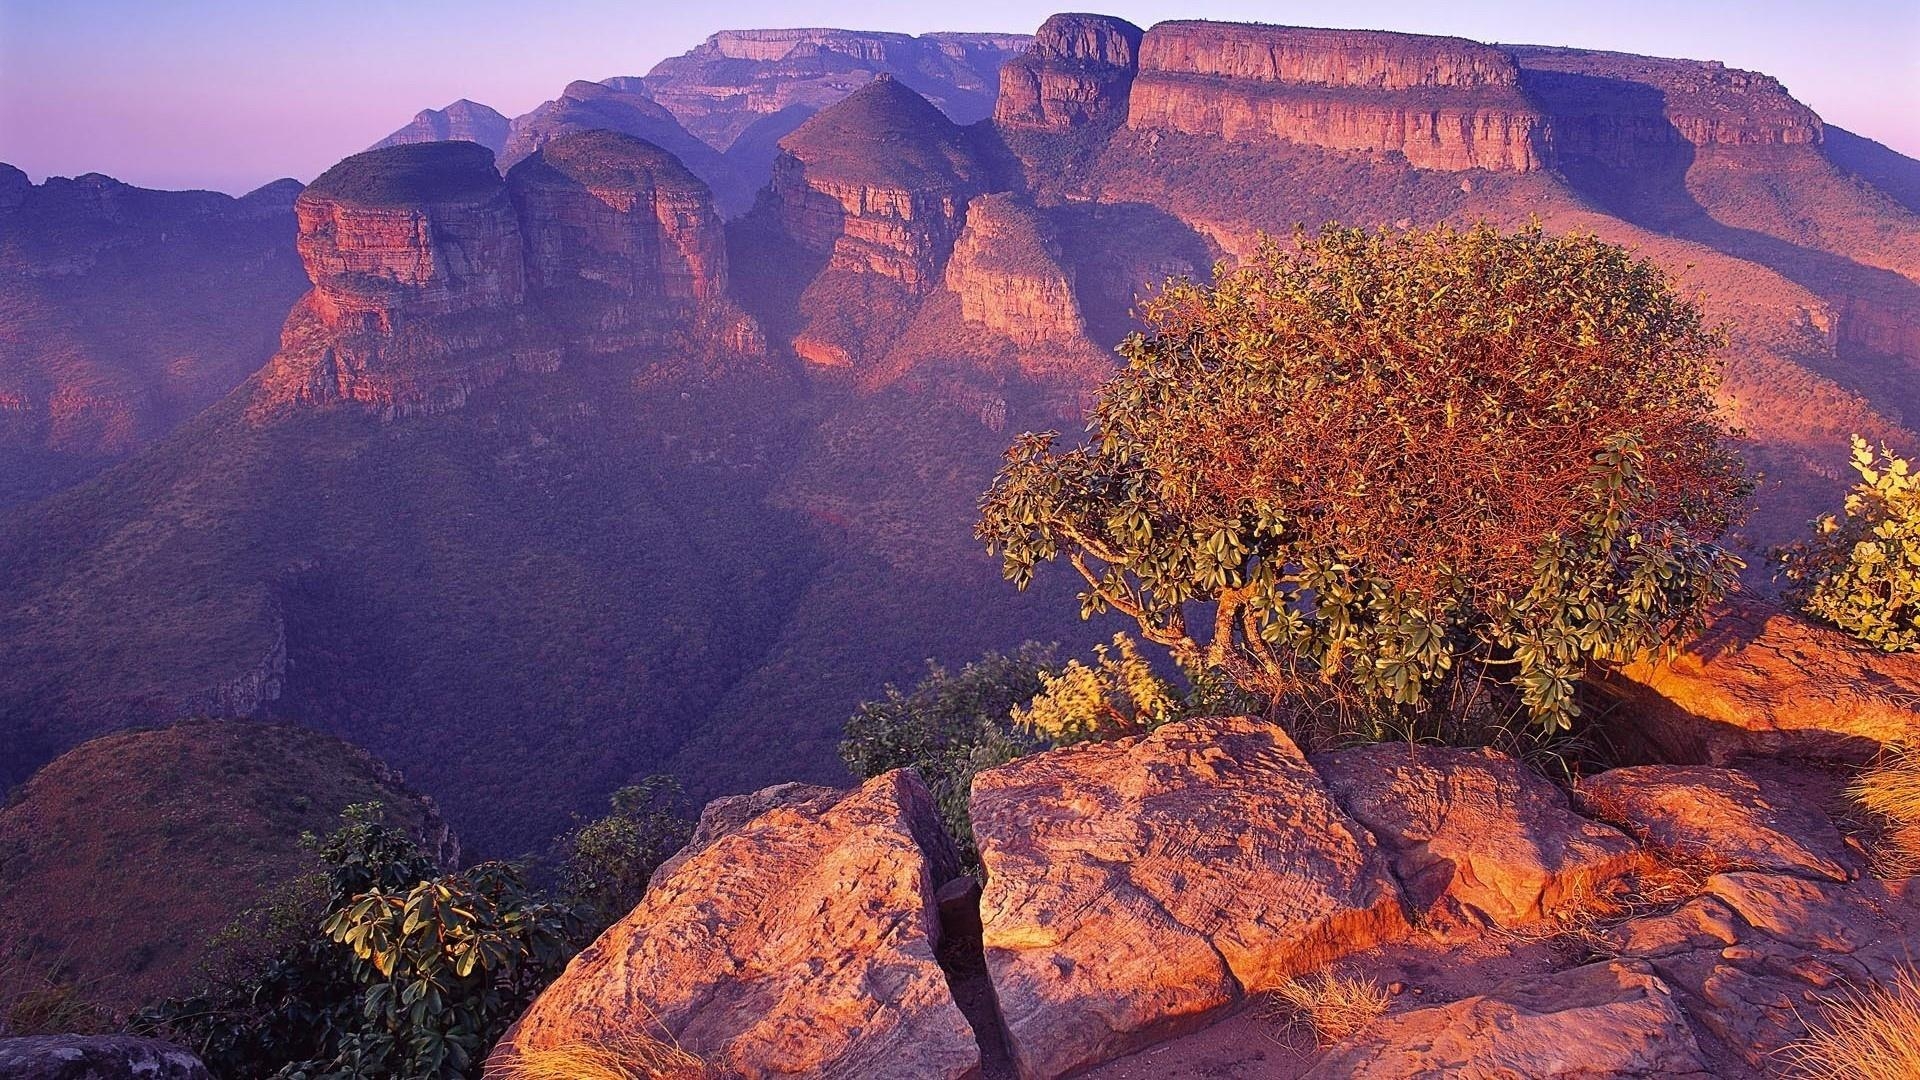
1397 464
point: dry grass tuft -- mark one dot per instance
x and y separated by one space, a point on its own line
1332 1006
1889 789
1871 1034
617 1057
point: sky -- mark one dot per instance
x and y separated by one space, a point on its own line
229 94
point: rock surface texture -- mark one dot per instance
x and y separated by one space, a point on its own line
1721 817
1009 277
1473 832
96 1057
1442 103
1766 683
1136 886
801 943
1602 1020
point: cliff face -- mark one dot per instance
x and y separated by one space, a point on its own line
433 277
623 241
418 280
1078 72
879 183
626 104
1443 103
1008 276
462 121
126 311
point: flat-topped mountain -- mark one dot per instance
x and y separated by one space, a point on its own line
126 311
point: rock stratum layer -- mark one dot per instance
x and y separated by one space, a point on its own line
1442 103
433 277
1077 73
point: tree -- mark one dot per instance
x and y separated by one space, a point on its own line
608 862
1397 464
1861 569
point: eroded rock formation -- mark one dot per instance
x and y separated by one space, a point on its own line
1120 908
1442 103
1007 273
801 943
1722 818
625 104
1077 73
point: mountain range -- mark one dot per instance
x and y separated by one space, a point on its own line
643 432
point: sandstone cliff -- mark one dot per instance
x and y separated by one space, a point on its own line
1008 276
462 121
1078 72
1442 103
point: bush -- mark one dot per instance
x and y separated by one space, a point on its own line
1861 569
1396 464
386 967
607 863
950 727
1118 695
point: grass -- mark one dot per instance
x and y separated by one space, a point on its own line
629 1056
1889 789
1866 1034
1330 1005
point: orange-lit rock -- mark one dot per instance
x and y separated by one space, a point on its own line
1721 818
1613 1020
1763 682
1443 103
1077 73
798 944
1009 276
1135 887
1473 831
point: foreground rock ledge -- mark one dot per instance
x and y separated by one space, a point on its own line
1604 1020
96 1057
1765 683
1136 886
800 944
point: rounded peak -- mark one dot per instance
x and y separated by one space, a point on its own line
277 192
605 159
885 108
409 174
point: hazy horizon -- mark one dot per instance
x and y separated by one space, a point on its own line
229 96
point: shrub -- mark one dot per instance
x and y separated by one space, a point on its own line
951 726
1391 462
1870 1034
1861 569
1118 695
607 863
1330 1005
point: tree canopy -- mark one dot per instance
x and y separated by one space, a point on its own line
1393 461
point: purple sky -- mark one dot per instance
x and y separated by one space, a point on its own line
227 94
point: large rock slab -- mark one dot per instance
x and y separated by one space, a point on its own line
1603 1020
1136 886
799 944
96 1057
1723 816
1474 832
1766 683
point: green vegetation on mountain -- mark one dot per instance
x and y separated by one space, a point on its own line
1433 471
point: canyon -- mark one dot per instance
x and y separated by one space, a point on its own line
625 324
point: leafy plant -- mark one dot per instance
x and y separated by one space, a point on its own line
1117 695
608 862
1382 465
949 727
1861 569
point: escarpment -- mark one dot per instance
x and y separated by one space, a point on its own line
1078 72
1442 103
626 105
462 121
433 277
1009 278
